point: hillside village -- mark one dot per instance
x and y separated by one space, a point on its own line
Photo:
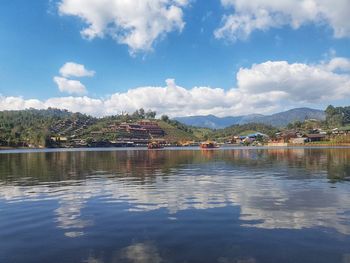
295 137
115 134
59 128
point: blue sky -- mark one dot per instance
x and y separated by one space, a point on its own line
38 37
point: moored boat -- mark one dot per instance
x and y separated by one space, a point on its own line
208 145
155 145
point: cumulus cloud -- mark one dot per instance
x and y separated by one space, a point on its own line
141 253
18 103
251 15
70 86
263 88
338 64
300 82
137 24
267 207
72 69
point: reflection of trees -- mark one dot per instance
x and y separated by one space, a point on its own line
338 165
300 162
181 180
62 166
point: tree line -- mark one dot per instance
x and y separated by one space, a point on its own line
337 116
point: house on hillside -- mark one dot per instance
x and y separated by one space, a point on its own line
152 128
288 135
250 138
59 139
257 135
128 130
292 136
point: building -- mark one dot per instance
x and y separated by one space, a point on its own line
341 131
315 137
59 139
257 135
288 135
126 130
300 140
152 128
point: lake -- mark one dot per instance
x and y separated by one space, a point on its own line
234 205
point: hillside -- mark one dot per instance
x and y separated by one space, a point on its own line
243 130
19 128
41 128
60 128
284 118
175 134
280 119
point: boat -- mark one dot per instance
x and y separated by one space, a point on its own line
155 145
208 145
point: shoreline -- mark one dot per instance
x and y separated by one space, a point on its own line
140 148
274 145
286 145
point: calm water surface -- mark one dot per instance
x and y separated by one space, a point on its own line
139 206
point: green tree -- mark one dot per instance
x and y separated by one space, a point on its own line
165 118
337 116
150 114
142 113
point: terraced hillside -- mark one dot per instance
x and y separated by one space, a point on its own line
54 128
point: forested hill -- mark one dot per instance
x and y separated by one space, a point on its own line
37 127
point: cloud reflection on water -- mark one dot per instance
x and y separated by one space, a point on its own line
273 188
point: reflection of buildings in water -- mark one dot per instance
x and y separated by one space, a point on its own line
208 154
331 162
266 198
60 166
287 154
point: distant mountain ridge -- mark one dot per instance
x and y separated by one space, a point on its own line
278 119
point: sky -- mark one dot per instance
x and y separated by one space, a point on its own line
177 57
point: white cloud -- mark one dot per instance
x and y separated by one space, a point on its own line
267 207
141 253
137 24
338 64
263 88
70 86
18 103
251 15
72 69
78 104
300 82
